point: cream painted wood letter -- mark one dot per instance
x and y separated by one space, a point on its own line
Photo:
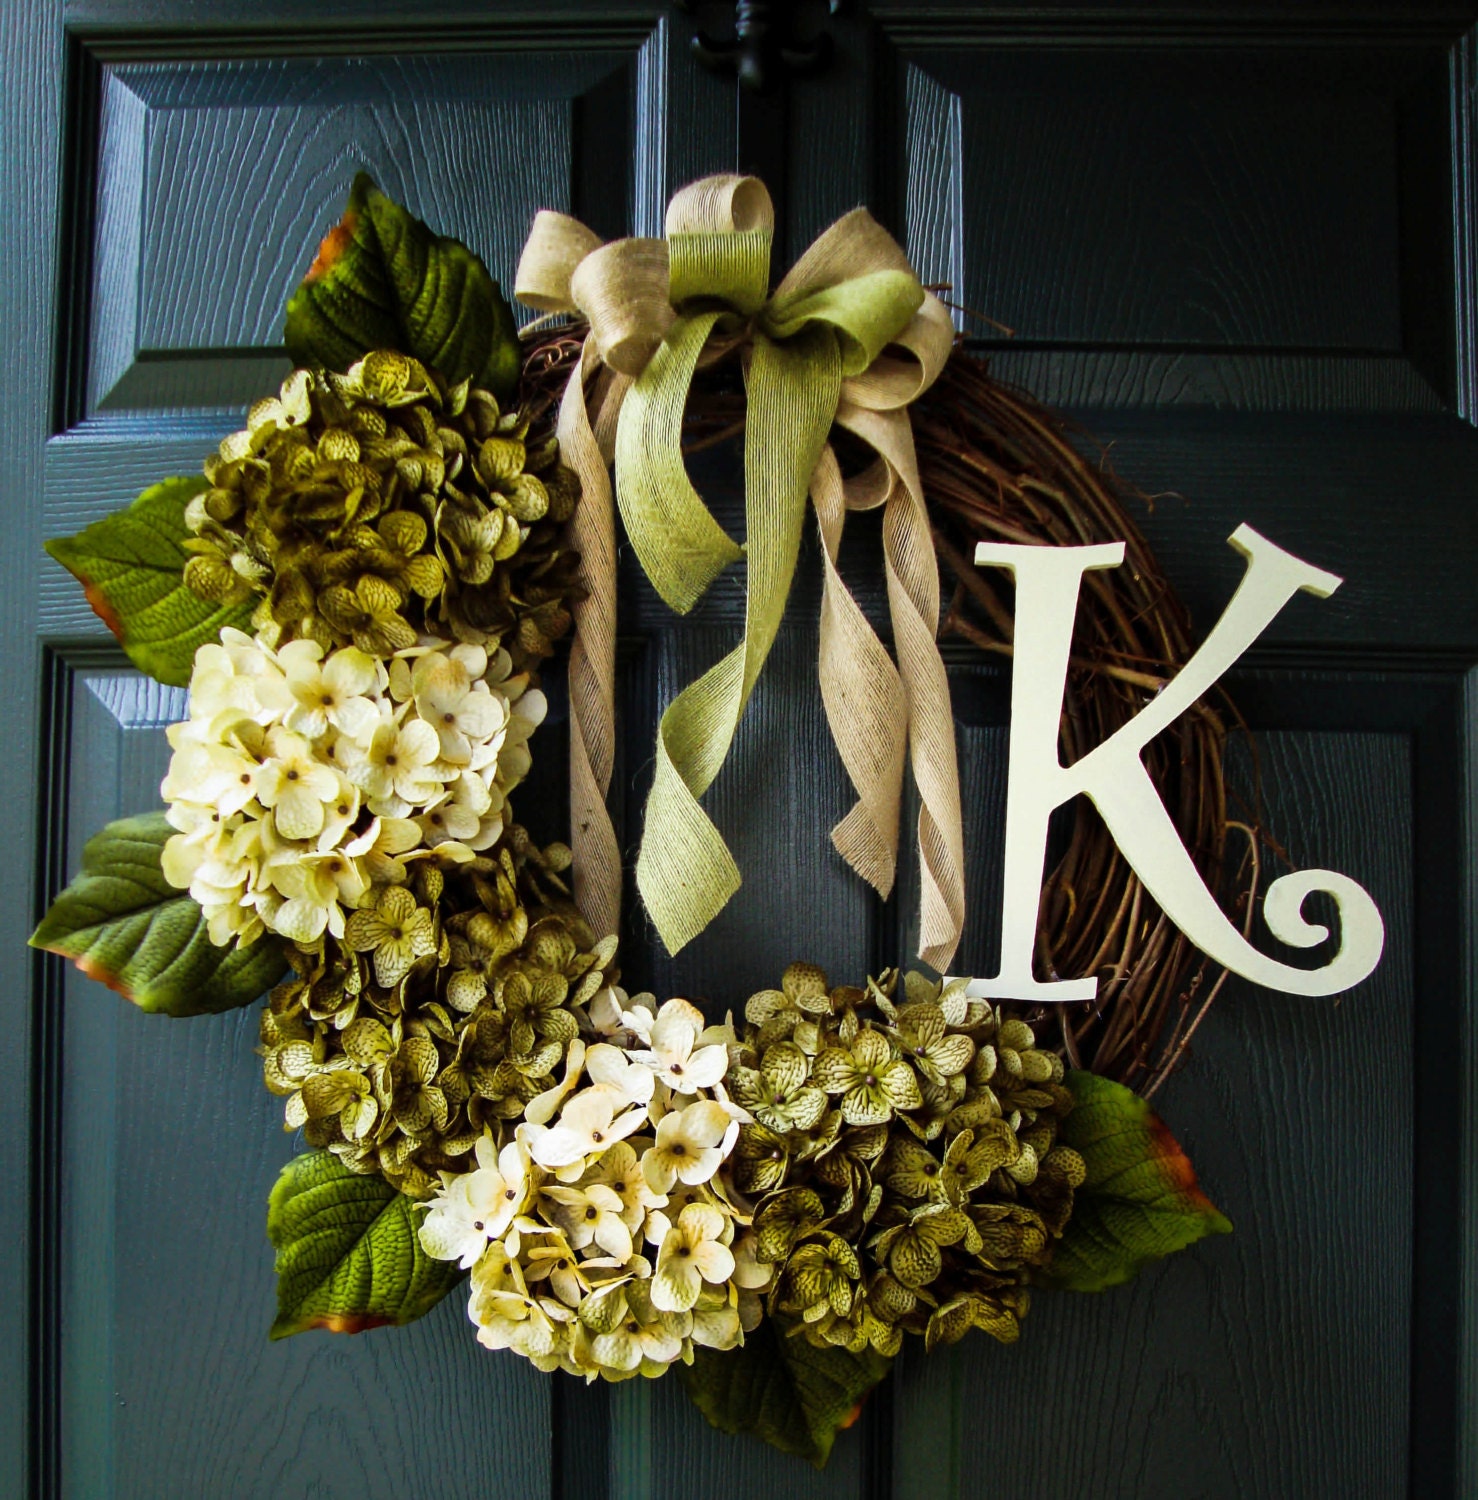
1048 580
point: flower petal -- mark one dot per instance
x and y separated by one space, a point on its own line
715 1261
703 1124
660 1171
676 1285
699 1168
702 1070
677 1027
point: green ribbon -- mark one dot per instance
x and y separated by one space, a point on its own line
829 320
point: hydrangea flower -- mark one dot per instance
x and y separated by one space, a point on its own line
627 1248
593 1120
304 783
675 1054
687 1146
693 1252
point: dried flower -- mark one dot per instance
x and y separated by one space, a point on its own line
381 504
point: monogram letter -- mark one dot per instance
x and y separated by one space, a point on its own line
1113 775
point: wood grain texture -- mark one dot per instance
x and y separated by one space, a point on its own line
118 240
1246 380
1375 501
1275 1362
1202 198
32 47
691 1458
702 124
649 185
832 130
174 1388
1091 366
217 181
934 210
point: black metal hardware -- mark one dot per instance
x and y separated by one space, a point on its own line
762 49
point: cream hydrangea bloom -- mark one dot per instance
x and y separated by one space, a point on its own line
302 782
676 1055
478 1207
593 1120
628 1249
687 1147
693 1252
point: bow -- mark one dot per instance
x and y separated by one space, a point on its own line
849 337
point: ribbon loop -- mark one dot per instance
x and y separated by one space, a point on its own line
726 202
891 382
622 290
719 230
555 247
867 313
849 336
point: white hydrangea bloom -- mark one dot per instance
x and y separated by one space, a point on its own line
680 1053
628 1248
301 780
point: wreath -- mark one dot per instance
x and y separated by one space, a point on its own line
360 590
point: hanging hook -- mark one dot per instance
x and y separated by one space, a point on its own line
761 50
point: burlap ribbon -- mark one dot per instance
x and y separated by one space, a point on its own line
814 354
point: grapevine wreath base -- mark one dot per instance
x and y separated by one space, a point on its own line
769 1192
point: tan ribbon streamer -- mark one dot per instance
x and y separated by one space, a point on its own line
643 305
592 669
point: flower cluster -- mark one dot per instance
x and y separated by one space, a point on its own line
383 503
902 1158
602 1235
624 1183
448 1008
304 784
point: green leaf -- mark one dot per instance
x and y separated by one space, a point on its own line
383 280
348 1256
783 1389
1140 1199
122 922
131 567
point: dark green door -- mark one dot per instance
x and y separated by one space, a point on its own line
1240 244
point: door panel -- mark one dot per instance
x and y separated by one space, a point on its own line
216 182
1157 225
1239 248
1166 217
202 187
1277 1362
169 1386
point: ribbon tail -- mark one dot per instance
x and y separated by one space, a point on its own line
866 706
681 547
685 872
592 665
913 601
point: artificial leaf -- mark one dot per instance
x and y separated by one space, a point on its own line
383 280
1140 1199
131 566
122 922
783 1389
348 1255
